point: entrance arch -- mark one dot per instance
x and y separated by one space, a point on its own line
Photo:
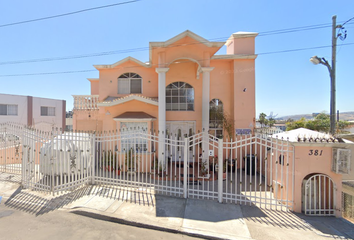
318 195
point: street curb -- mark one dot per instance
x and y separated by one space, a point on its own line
98 216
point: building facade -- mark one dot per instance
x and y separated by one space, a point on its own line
42 113
176 90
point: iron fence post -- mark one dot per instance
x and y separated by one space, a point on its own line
93 158
185 166
220 170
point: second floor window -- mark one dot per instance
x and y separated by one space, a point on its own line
8 109
129 83
179 97
47 111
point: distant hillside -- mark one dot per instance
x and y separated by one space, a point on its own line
347 116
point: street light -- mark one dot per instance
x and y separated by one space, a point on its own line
316 60
332 69
332 73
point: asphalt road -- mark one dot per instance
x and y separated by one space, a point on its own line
15 224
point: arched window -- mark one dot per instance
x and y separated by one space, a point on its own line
179 97
129 83
216 116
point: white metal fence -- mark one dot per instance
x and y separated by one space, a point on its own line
248 170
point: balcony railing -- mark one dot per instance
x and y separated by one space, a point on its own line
85 102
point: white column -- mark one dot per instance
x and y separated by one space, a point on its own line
162 111
205 108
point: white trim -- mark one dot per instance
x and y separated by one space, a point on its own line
85 95
242 35
179 37
147 65
93 79
183 35
234 56
133 119
127 99
206 69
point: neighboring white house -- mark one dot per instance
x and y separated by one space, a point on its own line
42 113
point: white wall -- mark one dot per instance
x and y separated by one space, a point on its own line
47 121
21 101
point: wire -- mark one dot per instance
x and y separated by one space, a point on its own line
67 14
347 21
46 73
266 33
90 70
302 49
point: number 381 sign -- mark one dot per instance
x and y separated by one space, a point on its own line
315 152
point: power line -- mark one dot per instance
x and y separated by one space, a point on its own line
267 33
90 70
67 14
302 49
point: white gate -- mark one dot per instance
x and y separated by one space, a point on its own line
319 196
248 170
55 161
130 160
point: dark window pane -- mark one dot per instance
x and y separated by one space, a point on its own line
174 99
135 86
44 111
168 99
3 109
175 92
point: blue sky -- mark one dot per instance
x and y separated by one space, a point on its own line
286 83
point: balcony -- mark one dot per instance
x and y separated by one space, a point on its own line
85 102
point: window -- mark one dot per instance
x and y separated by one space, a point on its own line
129 139
179 97
129 83
47 111
216 118
8 109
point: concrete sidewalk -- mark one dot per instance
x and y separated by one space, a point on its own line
201 218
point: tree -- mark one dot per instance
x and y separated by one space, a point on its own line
321 123
271 122
228 124
295 124
262 119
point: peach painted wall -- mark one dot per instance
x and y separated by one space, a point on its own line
186 72
108 84
244 101
227 80
306 164
87 120
184 48
241 46
94 87
132 106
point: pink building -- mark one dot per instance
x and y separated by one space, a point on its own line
176 89
182 90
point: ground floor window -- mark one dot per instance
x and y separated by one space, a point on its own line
216 117
129 138
8 109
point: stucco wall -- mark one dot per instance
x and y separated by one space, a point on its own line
306 163
57 120
21 101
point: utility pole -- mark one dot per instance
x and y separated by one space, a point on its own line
333 77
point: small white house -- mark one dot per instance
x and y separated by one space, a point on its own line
42 113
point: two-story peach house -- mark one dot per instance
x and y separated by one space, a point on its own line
175 90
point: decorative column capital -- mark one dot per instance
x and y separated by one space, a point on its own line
161 70
206 69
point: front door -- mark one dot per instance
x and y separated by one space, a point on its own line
179 131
